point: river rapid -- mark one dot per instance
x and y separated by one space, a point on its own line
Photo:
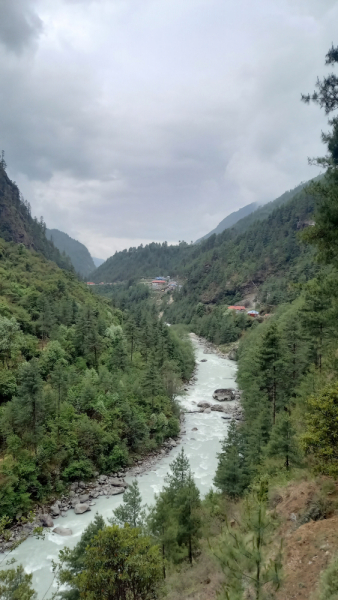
201 447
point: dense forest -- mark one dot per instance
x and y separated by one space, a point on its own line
77 252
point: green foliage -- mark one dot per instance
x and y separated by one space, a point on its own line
321 433
328 585
131 510
283 443
15 584
72 562
175 520
232 476
78 394
250 566
119 563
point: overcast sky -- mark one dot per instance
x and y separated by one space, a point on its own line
127 121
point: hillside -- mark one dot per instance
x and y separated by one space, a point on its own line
18 225
77 252
230 220
83 386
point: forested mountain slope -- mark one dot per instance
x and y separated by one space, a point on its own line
77 252
231 219
180 260
18 225
83 386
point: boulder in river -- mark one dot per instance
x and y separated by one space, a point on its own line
62 531
203 404
117 482
207 410
218 408
46 521
81 508
204 360
223 395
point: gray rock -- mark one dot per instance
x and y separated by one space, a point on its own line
74 501
207 410
46 521
72 494
116 481
62 531
55 509
223 395
81 508
84 498
218 408
116 490
74 486
203 404
102 479
94 494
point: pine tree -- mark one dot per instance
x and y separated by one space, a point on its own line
283 442
245 555
270 364
59 383
187 503
232 475
131 510
177 479
29 405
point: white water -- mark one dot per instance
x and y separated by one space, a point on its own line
201 448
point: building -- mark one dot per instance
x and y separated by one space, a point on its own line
253 313
90 283
237 308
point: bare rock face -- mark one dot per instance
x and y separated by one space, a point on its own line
46 521
62 531
203 404
81 508
223 395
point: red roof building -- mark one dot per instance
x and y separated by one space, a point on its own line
236 308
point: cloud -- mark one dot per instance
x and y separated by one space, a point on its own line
19 24
151 120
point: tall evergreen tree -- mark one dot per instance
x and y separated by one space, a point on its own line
232 474
282 442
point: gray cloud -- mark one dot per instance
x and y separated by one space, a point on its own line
150 120
19 24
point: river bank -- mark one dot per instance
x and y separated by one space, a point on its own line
201 436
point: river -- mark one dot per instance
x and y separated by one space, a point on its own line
201 447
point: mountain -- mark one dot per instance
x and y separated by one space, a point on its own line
231 219
77 252
17 224
98 261
179 260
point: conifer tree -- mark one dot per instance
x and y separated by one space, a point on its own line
245 555
29 405
131 510
59 383
282 442
232 476
270 364
187 503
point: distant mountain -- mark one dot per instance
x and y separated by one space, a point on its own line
265 210
98 261
77 252
17 224
231 219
